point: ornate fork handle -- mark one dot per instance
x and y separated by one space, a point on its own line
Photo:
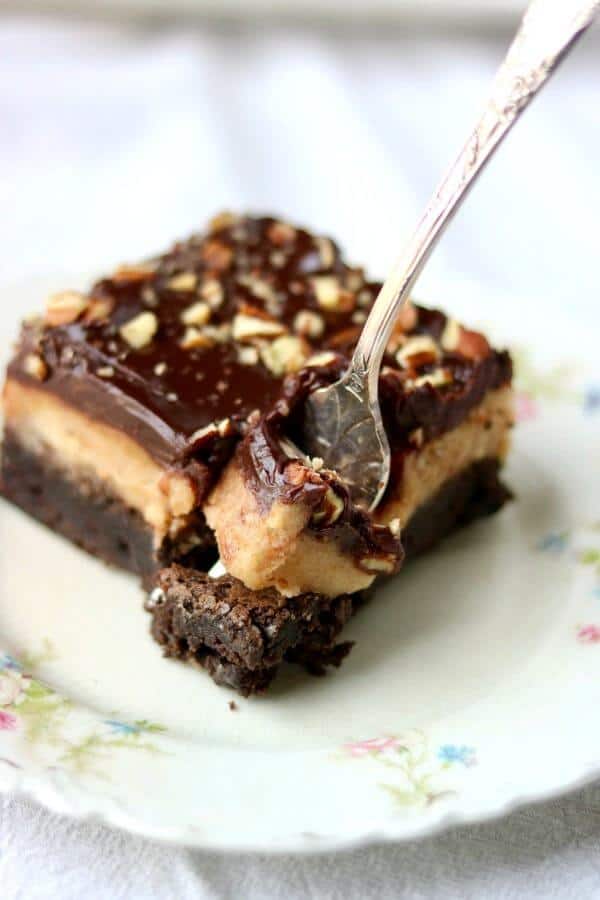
343 423
548 30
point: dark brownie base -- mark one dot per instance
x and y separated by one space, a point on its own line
92 519
241 636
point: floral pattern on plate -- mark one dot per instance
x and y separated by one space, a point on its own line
557 383
580 547
413 773
47 720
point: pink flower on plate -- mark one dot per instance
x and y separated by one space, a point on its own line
372 746
589 634
525 407
8 722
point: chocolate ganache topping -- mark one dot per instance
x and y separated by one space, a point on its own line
226 332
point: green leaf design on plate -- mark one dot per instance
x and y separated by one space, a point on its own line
416 771
49 723
86 755
404 797
43 713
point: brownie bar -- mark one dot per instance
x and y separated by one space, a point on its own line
145 421
144 388
241 636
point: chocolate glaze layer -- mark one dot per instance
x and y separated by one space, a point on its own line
257 263
162 394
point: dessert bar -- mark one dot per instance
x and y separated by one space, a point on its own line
144 421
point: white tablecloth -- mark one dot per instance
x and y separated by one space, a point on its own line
551 852
114 141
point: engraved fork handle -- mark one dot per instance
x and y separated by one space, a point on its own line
548 30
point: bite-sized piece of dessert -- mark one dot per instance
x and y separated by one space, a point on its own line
143 420
290 524
241 636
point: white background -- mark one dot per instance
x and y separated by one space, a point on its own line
115 139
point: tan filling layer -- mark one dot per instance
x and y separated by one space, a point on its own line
83 447
275 549
484 433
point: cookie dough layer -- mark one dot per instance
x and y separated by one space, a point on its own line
87 449
277 546
102 468
485 434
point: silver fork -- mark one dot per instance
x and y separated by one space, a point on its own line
343 424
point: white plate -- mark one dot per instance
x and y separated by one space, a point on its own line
474 684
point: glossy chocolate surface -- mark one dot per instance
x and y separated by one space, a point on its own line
259 268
